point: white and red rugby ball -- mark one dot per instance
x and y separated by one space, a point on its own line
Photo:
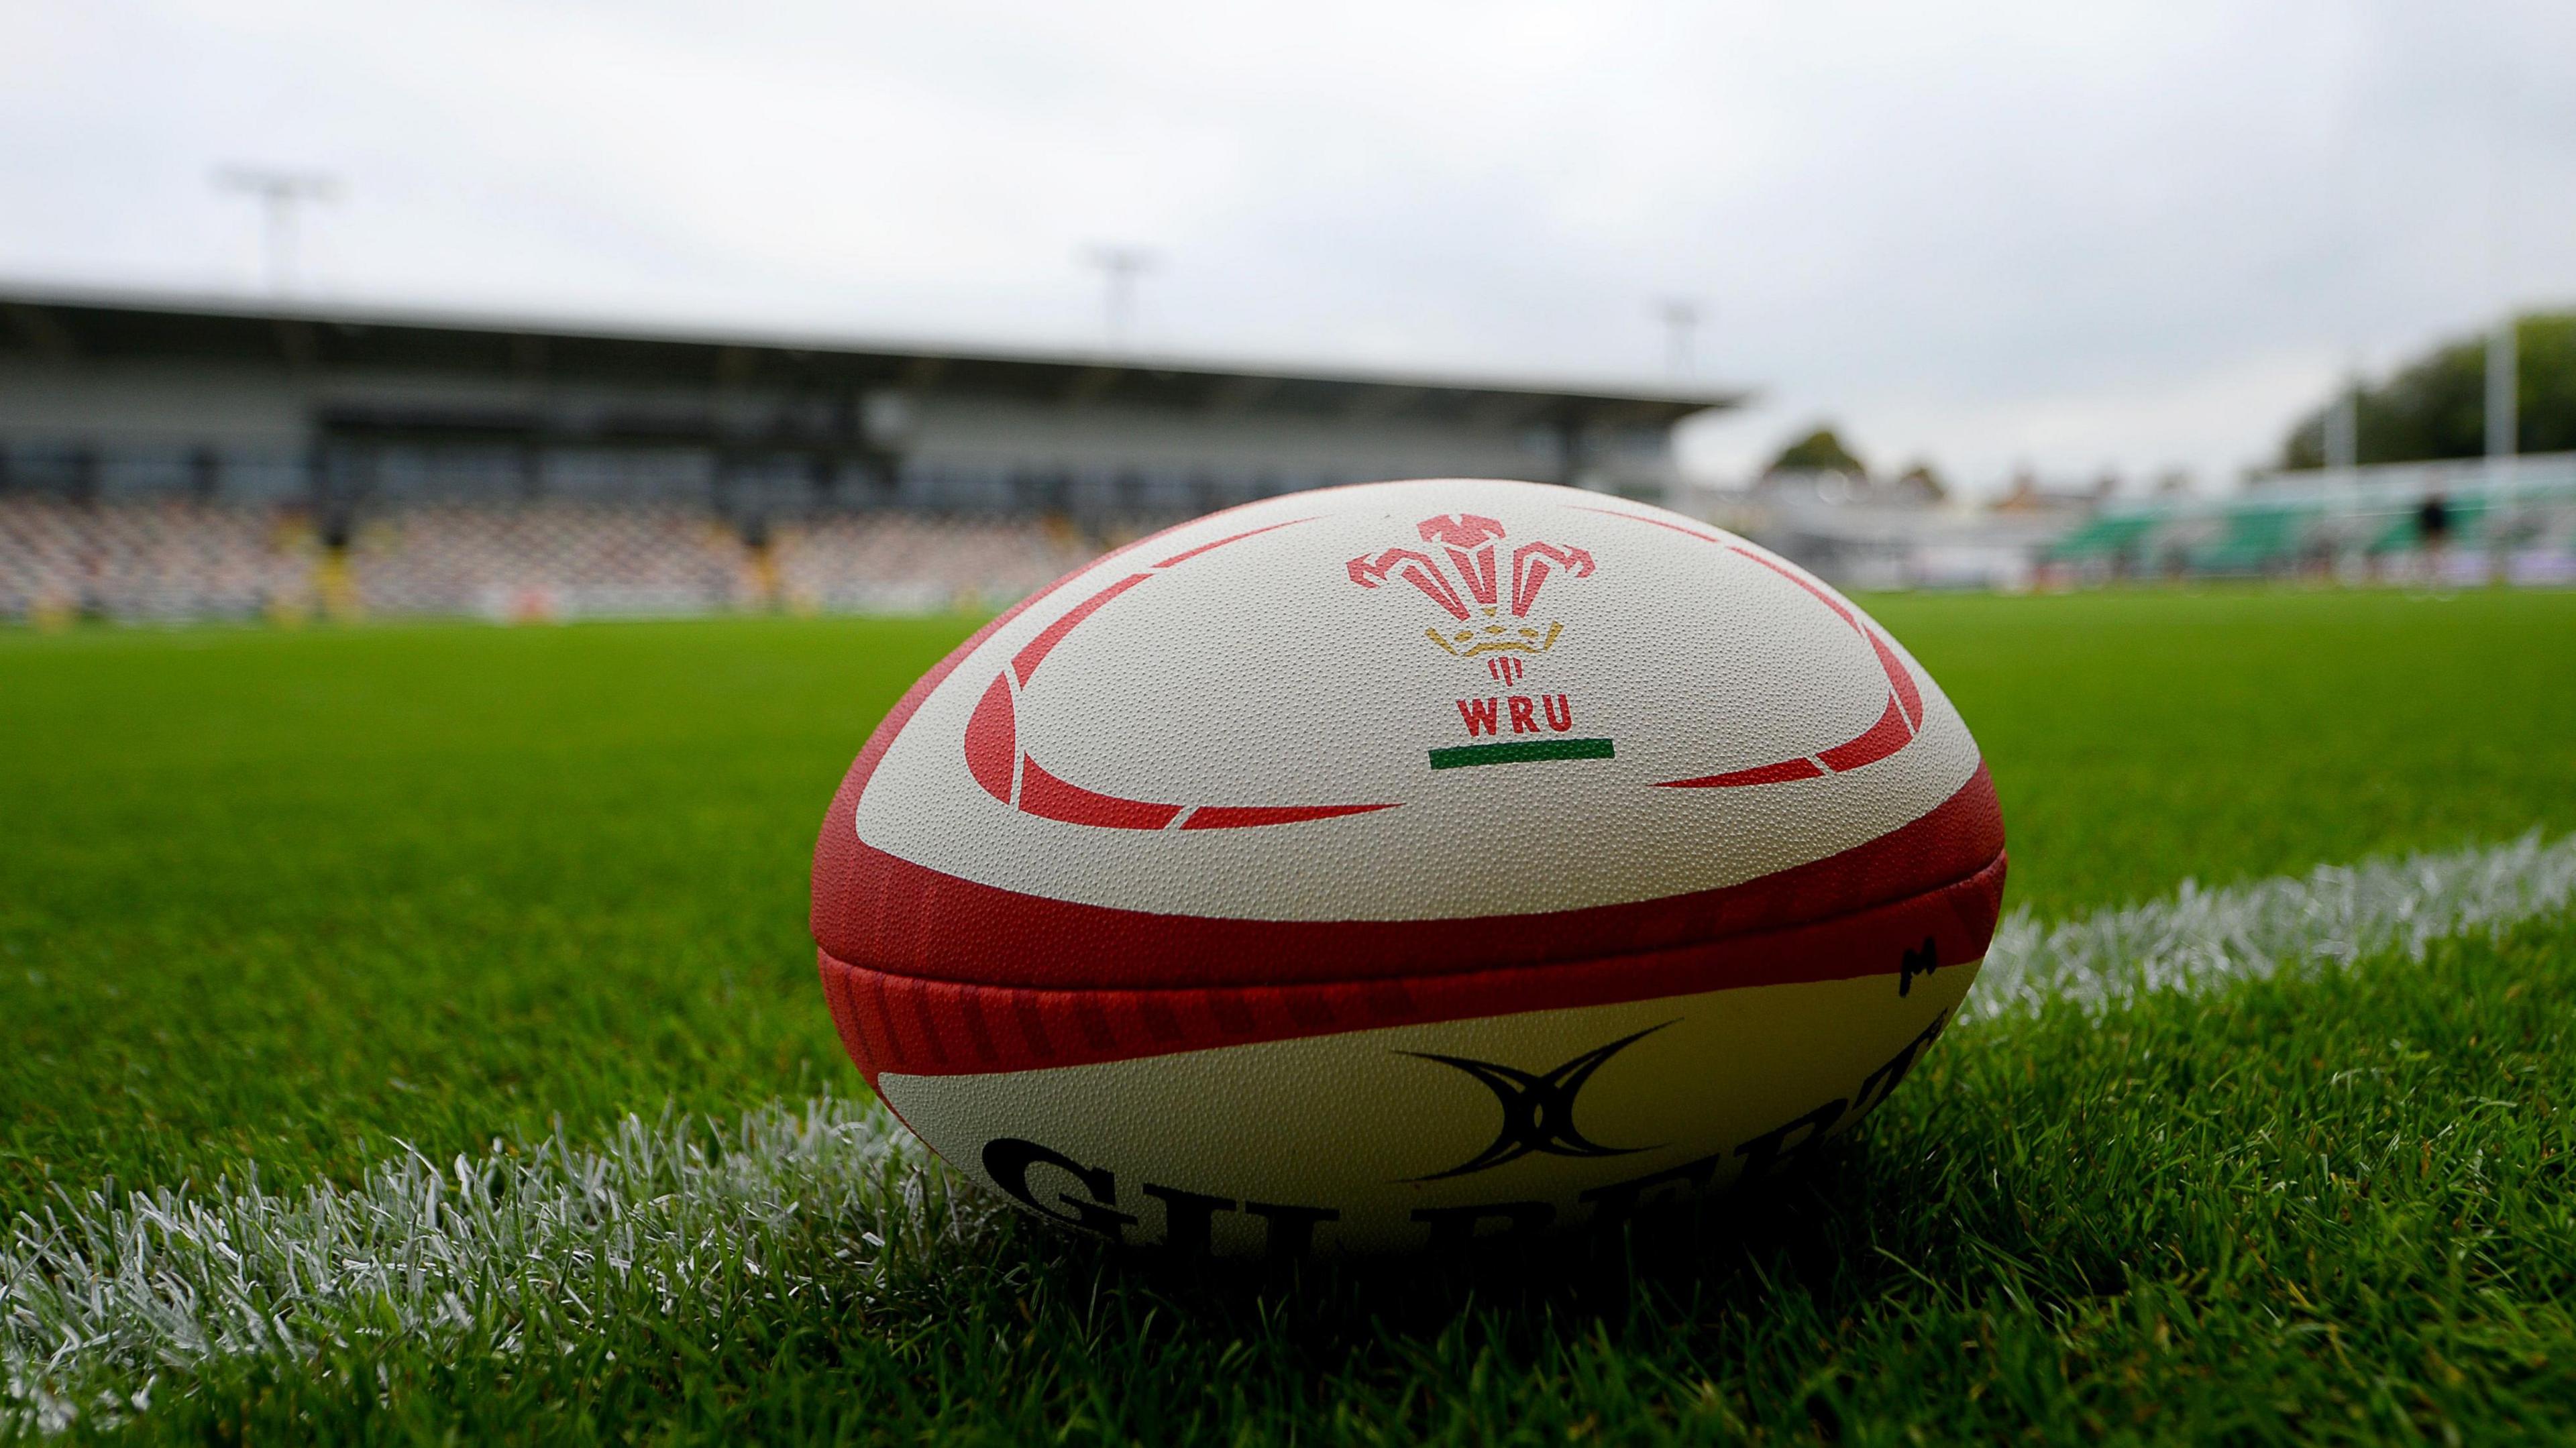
1401 864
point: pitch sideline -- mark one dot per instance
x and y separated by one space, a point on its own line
98 1298
2199 939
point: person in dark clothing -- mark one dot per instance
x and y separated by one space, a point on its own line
2433 520
2433 534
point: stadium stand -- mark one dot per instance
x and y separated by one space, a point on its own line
362 460
165 560
168 560
548 560
2512 521
900 563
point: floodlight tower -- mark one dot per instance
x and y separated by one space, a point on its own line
1681 323
1120 266
2501 401
2501 360
2343 426
278 194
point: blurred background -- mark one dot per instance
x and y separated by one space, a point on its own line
558 310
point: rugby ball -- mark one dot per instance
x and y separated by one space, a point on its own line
1404 864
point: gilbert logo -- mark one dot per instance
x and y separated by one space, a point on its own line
1503 629
1538 1107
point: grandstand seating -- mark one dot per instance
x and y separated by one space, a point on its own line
175 556
165 559
2359 526
879 563
549 559
170 560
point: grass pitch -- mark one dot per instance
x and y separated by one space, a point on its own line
284 900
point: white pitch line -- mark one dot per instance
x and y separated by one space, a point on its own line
100 1296
2198 939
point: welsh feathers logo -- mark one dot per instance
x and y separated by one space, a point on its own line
1494 603
1506 630
1475 603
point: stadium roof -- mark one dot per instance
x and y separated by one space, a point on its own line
65 324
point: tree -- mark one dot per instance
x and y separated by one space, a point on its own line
1818 452
1920 477
2435 406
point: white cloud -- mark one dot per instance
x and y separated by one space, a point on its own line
2142 429
2135 235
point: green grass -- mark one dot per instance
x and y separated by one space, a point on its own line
284 898
2141 737
2167 1226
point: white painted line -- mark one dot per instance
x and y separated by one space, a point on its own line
101 1296
2197 939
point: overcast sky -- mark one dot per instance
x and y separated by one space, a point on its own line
2082 236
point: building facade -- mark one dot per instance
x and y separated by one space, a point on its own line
345 412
